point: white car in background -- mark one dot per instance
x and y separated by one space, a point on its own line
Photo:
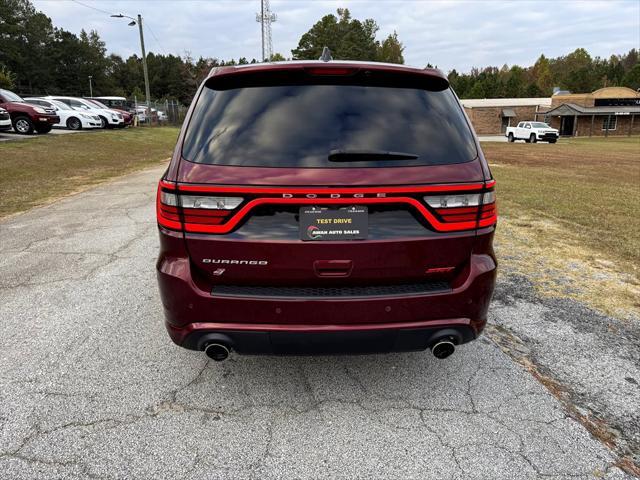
5 120
108 118
70 118
532 132
156 115
141 113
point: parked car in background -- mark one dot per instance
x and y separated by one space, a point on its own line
141 112
156 115
126 116
532 132
117 103
108 118
69 117
26 118
5 120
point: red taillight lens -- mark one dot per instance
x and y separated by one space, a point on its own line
168 215
173 208
465 208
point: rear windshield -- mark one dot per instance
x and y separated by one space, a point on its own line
299 125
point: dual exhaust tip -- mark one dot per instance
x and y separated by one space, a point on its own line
443 349
219 352
216 351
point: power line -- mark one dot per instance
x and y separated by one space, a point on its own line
92 8
146 25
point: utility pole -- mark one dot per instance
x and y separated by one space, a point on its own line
266 18
90 87
144 68
144 59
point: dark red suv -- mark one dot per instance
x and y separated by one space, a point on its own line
25 118
326 207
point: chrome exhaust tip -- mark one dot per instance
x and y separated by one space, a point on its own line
443 349
216 351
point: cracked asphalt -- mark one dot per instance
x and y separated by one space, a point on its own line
92 387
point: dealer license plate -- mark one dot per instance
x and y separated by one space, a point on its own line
321 223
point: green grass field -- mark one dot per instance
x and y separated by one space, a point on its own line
37 170
590 186
569 219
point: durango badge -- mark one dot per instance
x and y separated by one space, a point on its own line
225 261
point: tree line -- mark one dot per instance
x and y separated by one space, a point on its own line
37 58
577 72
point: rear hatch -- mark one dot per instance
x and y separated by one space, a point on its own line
323 176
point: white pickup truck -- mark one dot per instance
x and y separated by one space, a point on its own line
532 132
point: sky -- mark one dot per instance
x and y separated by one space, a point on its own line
446 33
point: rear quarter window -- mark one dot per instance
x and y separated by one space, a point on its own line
298 125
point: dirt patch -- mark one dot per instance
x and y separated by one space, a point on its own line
561 264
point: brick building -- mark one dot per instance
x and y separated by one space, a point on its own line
607 111
492 116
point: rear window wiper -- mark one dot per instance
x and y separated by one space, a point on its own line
365 155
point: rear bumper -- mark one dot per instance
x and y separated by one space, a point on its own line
279 325
330 339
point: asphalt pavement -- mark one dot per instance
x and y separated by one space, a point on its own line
91 386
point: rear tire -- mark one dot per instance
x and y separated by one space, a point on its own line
532 138
44 129
552 141
510 138
74 124
23 125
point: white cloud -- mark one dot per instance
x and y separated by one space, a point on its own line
450 34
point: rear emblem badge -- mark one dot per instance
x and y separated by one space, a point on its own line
225 261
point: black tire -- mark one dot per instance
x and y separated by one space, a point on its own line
74 124
510 138
23 125
553 141
533 138
44 129
103 122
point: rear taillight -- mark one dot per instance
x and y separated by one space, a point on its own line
465 207
218 209
173 208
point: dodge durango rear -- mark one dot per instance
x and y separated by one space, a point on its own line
323 208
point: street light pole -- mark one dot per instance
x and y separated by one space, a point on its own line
144 59
90 87
144 68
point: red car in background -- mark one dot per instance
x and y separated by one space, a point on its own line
26 118
326 207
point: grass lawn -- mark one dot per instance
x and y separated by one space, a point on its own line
577 205
36 170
